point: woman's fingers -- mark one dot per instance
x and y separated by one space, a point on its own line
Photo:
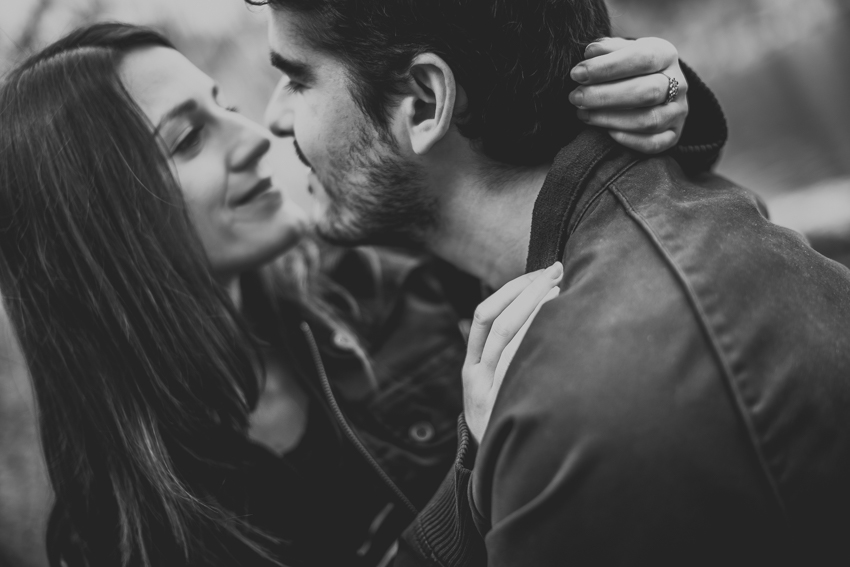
625 88
489 310
606 45
647 143
514 316
511 348
636 92
652 120
501 321
611 59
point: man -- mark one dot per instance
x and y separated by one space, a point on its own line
685 399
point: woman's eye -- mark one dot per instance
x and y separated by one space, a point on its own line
189 141
231 109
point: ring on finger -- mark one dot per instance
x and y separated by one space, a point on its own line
672 89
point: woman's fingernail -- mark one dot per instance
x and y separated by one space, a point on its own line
555 270
593 50
579 74
577 97
583 115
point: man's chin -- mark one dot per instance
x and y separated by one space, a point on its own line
364 215
328 225
340 233
331 231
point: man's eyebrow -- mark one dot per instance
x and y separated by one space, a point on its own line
182 108
293 69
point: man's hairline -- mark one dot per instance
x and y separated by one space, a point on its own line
352 77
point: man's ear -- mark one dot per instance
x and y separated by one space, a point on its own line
428 107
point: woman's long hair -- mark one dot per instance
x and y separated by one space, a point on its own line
138 360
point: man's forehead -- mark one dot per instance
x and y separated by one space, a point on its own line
286 37
293 53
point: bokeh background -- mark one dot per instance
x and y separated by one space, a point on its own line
782 72
779 67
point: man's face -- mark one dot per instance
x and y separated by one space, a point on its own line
374 192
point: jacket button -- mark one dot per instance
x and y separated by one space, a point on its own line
343 341
422 432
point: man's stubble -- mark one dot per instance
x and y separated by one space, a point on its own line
375 194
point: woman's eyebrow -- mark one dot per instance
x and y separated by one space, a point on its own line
182 108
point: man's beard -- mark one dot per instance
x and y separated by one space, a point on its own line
375 196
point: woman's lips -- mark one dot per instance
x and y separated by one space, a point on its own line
261 187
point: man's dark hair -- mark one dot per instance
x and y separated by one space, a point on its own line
512 57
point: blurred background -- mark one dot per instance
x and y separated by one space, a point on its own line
781 71
779 67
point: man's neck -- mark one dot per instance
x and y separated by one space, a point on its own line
485 221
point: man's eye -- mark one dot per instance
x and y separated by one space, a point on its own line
293 87
189 141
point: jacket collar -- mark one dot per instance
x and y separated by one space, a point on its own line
557 201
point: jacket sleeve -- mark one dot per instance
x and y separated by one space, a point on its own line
705 133
444 533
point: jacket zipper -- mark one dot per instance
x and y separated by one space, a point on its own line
346 428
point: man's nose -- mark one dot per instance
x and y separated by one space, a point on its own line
278 117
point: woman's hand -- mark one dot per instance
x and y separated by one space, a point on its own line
624 90
498 327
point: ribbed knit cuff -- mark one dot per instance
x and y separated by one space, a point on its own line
444 533
705 131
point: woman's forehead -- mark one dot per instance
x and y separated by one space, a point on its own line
159 79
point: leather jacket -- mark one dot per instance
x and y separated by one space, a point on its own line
686 398
380 435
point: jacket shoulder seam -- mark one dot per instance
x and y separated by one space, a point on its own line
593 201
725 368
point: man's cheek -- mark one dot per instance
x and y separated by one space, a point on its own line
317 188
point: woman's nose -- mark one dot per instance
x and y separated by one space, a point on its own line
278 117
253 143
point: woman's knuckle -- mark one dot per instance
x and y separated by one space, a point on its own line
664 51
597 118
621 138
661 91
653 62
654 145
678 114
647 95
501 330
647 56
671 50
588 96
482 315
650 120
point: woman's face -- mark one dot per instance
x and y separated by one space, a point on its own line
218 157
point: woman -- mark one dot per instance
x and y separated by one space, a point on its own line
133 249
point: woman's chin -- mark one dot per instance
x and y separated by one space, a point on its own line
295 232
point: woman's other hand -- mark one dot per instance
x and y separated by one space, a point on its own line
624 89
498 327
